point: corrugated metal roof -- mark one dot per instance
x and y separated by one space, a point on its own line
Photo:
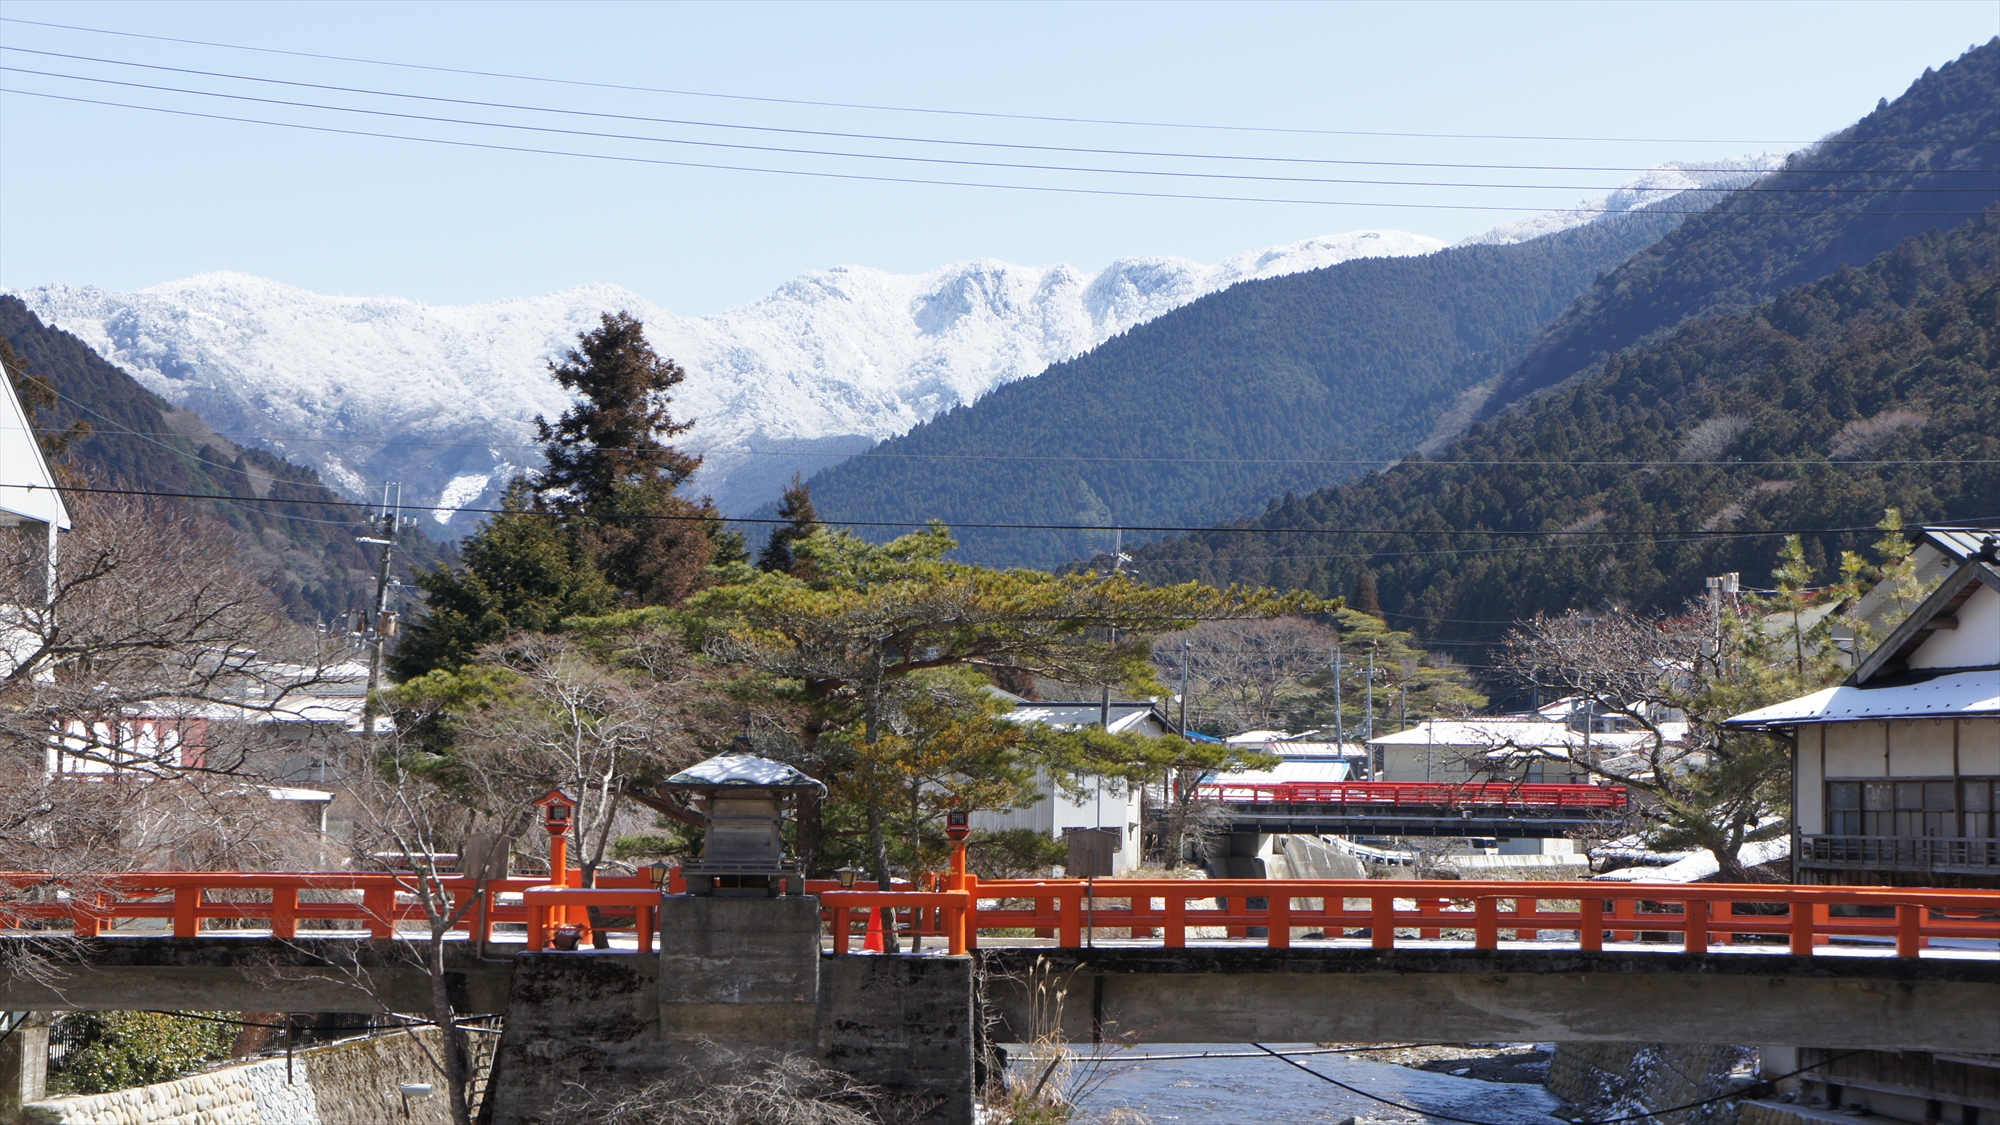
1959 542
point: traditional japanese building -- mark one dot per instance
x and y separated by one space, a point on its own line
1896 772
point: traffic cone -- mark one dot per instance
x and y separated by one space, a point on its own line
873 942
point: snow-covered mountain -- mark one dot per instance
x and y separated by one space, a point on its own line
1653 187
440 398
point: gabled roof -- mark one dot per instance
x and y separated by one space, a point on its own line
1939 612
27 487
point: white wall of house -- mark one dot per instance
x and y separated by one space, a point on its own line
1897 749
1104 804
1975 643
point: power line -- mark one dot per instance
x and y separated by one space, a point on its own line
898 158
860 177
955 142
932 110
1164 529
1068 457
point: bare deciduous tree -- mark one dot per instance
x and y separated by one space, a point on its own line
1245 675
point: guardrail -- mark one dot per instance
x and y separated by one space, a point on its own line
376 903
1583 914
1416 794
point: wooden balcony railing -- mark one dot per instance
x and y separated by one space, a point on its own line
1955 854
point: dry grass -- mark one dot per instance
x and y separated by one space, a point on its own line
734 1090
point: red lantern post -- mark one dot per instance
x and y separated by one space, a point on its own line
558 812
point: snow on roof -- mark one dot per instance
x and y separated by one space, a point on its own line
1702 864
1288 771
742 770
1521 732
1959 695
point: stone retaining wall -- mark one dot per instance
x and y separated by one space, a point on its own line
350 1083
1627 1079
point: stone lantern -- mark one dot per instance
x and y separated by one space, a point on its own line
743 799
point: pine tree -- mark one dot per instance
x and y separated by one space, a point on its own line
797 507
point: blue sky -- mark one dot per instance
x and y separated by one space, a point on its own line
124 198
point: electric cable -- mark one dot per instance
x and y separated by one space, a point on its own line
925 110
900 158
913 180
656 516
961 143
1419 462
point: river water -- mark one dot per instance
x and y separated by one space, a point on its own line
1265 1091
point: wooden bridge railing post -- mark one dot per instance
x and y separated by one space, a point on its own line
284 912
1486 922
379 904
1590 924
1175 935
1382 920
1694 925
187 911
1909 923
1070 924
1278 919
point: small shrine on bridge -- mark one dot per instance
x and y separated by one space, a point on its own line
744 799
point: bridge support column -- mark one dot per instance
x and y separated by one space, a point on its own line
24 1065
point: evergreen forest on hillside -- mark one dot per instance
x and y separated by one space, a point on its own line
1284 383
1873 388
1928 159
1291 384
303 548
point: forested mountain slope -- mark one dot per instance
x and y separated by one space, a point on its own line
1929 159
1871 388
1202 414
304 550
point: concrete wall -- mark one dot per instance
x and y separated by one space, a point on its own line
351 1083
595 1019
1239 995
1608 1080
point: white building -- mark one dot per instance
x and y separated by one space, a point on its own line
1109 808
1540 747
32 516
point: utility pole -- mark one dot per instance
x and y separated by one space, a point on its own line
1339 713
1117 568
1184 684
384 624
1368 725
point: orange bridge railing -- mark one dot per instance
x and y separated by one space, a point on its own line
1068 912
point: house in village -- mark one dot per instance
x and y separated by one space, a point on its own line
1553 745
1896 780
1896 771
1103 824
32 520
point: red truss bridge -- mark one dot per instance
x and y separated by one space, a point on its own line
1414 808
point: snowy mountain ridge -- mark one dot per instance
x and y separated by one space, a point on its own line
440 398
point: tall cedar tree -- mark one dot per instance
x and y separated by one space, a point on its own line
797 507
614 480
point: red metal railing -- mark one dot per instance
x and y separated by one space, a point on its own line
1409 794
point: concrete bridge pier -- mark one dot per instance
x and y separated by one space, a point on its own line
737 978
